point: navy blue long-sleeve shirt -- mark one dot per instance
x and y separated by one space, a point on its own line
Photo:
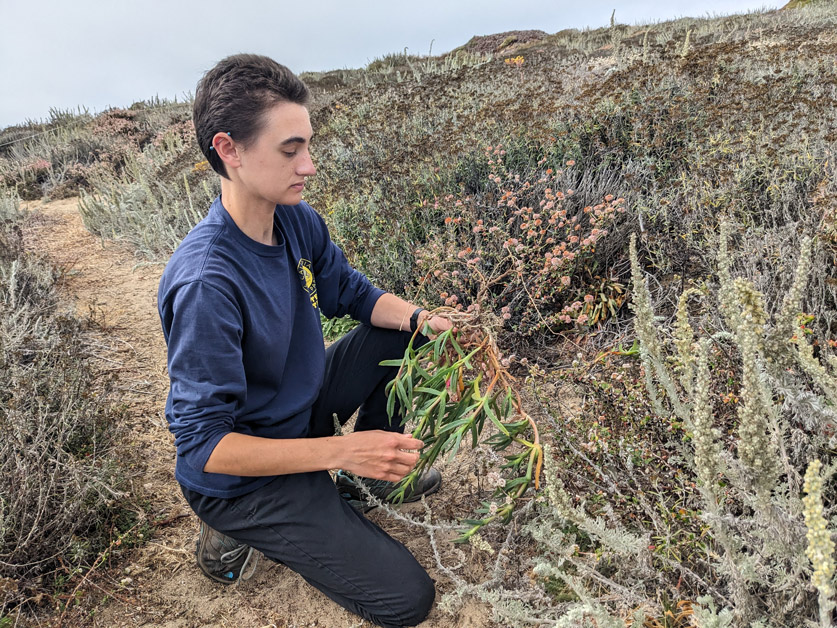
245 344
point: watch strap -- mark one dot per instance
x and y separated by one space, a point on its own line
414 318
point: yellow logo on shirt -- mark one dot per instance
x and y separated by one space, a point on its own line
306 276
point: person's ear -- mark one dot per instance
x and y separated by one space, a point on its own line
223 144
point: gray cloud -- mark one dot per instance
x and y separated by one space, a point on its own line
97 54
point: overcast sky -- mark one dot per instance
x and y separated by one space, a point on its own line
103 53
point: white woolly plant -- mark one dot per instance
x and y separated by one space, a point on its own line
785 326
705 436
615 537
560 551
757 522
756 446
822 376
762 548
742 307
707 458
684 337
707 616
820 546
650 347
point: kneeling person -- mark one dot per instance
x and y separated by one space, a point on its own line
253 389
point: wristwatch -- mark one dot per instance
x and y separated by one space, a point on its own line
415 317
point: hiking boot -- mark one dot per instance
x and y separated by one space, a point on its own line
347 484
222 558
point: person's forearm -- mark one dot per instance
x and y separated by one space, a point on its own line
392 312
253 456
374 453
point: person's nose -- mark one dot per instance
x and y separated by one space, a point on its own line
306 166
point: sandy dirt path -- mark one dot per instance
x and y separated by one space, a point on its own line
158 584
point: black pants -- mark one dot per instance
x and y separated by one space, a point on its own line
299 519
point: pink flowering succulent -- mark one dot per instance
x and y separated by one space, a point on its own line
528 245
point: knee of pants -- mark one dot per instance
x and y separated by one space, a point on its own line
423 601
418 600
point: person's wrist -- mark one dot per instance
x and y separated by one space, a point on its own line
335 452
424 317
416 320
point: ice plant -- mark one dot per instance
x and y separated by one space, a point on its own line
453 388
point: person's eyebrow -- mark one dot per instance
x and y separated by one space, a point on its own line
295 140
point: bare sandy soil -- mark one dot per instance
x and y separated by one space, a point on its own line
157 583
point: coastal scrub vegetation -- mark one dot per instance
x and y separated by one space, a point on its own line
62 493
644 219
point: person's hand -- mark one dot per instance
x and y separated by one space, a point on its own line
380 455
437 323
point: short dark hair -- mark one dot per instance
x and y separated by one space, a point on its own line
233 96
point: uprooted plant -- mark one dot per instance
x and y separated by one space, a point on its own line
451 389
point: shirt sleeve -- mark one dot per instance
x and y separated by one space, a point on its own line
208 387
341 289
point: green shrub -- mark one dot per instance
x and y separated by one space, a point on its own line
336 328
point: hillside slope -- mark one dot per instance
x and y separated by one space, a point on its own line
511 174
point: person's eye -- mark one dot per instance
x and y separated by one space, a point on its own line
291 154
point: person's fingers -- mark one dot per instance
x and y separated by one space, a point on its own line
401 470
394 471
440 323
404 458
408 442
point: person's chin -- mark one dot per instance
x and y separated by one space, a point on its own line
291 199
